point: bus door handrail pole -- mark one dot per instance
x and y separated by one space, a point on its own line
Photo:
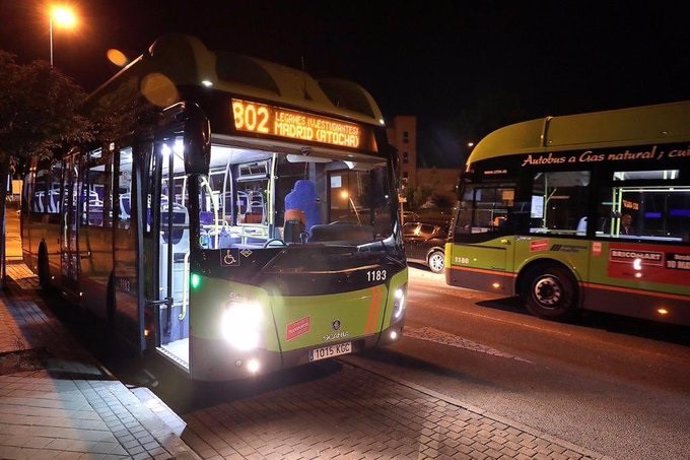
169 268
142 151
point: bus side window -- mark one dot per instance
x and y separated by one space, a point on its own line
656 203
559 202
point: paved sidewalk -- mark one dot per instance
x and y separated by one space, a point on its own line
357 414
57 401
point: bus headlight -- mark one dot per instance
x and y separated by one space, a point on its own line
240 324
399 302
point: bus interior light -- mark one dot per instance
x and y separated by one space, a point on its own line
178 146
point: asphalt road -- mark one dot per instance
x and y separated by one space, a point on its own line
617 386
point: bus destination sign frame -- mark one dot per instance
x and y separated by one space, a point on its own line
277 122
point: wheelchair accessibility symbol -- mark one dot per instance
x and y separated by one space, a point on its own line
230 258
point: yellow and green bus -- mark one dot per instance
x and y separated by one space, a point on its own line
243 220
587 211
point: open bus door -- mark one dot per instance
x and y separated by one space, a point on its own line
175 166
125 288
170 246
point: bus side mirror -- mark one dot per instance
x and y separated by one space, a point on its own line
197 141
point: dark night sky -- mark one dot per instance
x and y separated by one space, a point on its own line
464 68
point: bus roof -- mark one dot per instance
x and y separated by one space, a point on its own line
185 61
651 124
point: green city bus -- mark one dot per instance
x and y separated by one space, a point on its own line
244 219
544 207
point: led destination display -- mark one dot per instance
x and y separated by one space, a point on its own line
275 121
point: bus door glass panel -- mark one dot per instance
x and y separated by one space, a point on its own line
484 223
559 203
44 204
126 313
96 221
70 219
174 244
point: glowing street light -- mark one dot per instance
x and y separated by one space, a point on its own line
63 17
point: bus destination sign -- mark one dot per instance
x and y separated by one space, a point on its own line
269 120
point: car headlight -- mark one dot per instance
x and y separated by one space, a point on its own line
399 297
240 324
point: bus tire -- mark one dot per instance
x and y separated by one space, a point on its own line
435 261
550 292
43 267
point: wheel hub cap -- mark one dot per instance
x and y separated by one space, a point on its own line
547 292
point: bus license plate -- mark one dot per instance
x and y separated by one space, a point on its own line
330 351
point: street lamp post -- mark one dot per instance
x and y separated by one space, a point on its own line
63 17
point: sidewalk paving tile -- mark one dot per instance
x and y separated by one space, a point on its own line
56 400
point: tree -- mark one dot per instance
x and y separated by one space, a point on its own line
417 196
39 113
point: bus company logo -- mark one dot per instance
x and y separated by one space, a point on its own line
628 255
335 336
567 248
539 245
336 324
298 328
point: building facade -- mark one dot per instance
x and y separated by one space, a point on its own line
402 134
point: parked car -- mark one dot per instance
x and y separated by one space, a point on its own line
424 243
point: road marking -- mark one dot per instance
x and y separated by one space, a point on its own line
434 292
434 335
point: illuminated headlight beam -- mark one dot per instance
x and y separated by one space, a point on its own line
240 325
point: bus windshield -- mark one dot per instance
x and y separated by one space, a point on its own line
253 199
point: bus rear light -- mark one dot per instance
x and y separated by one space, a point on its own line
496 285
662 311
147 332
393 335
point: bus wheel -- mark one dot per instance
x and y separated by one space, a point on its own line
550 292
435 261
43 268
